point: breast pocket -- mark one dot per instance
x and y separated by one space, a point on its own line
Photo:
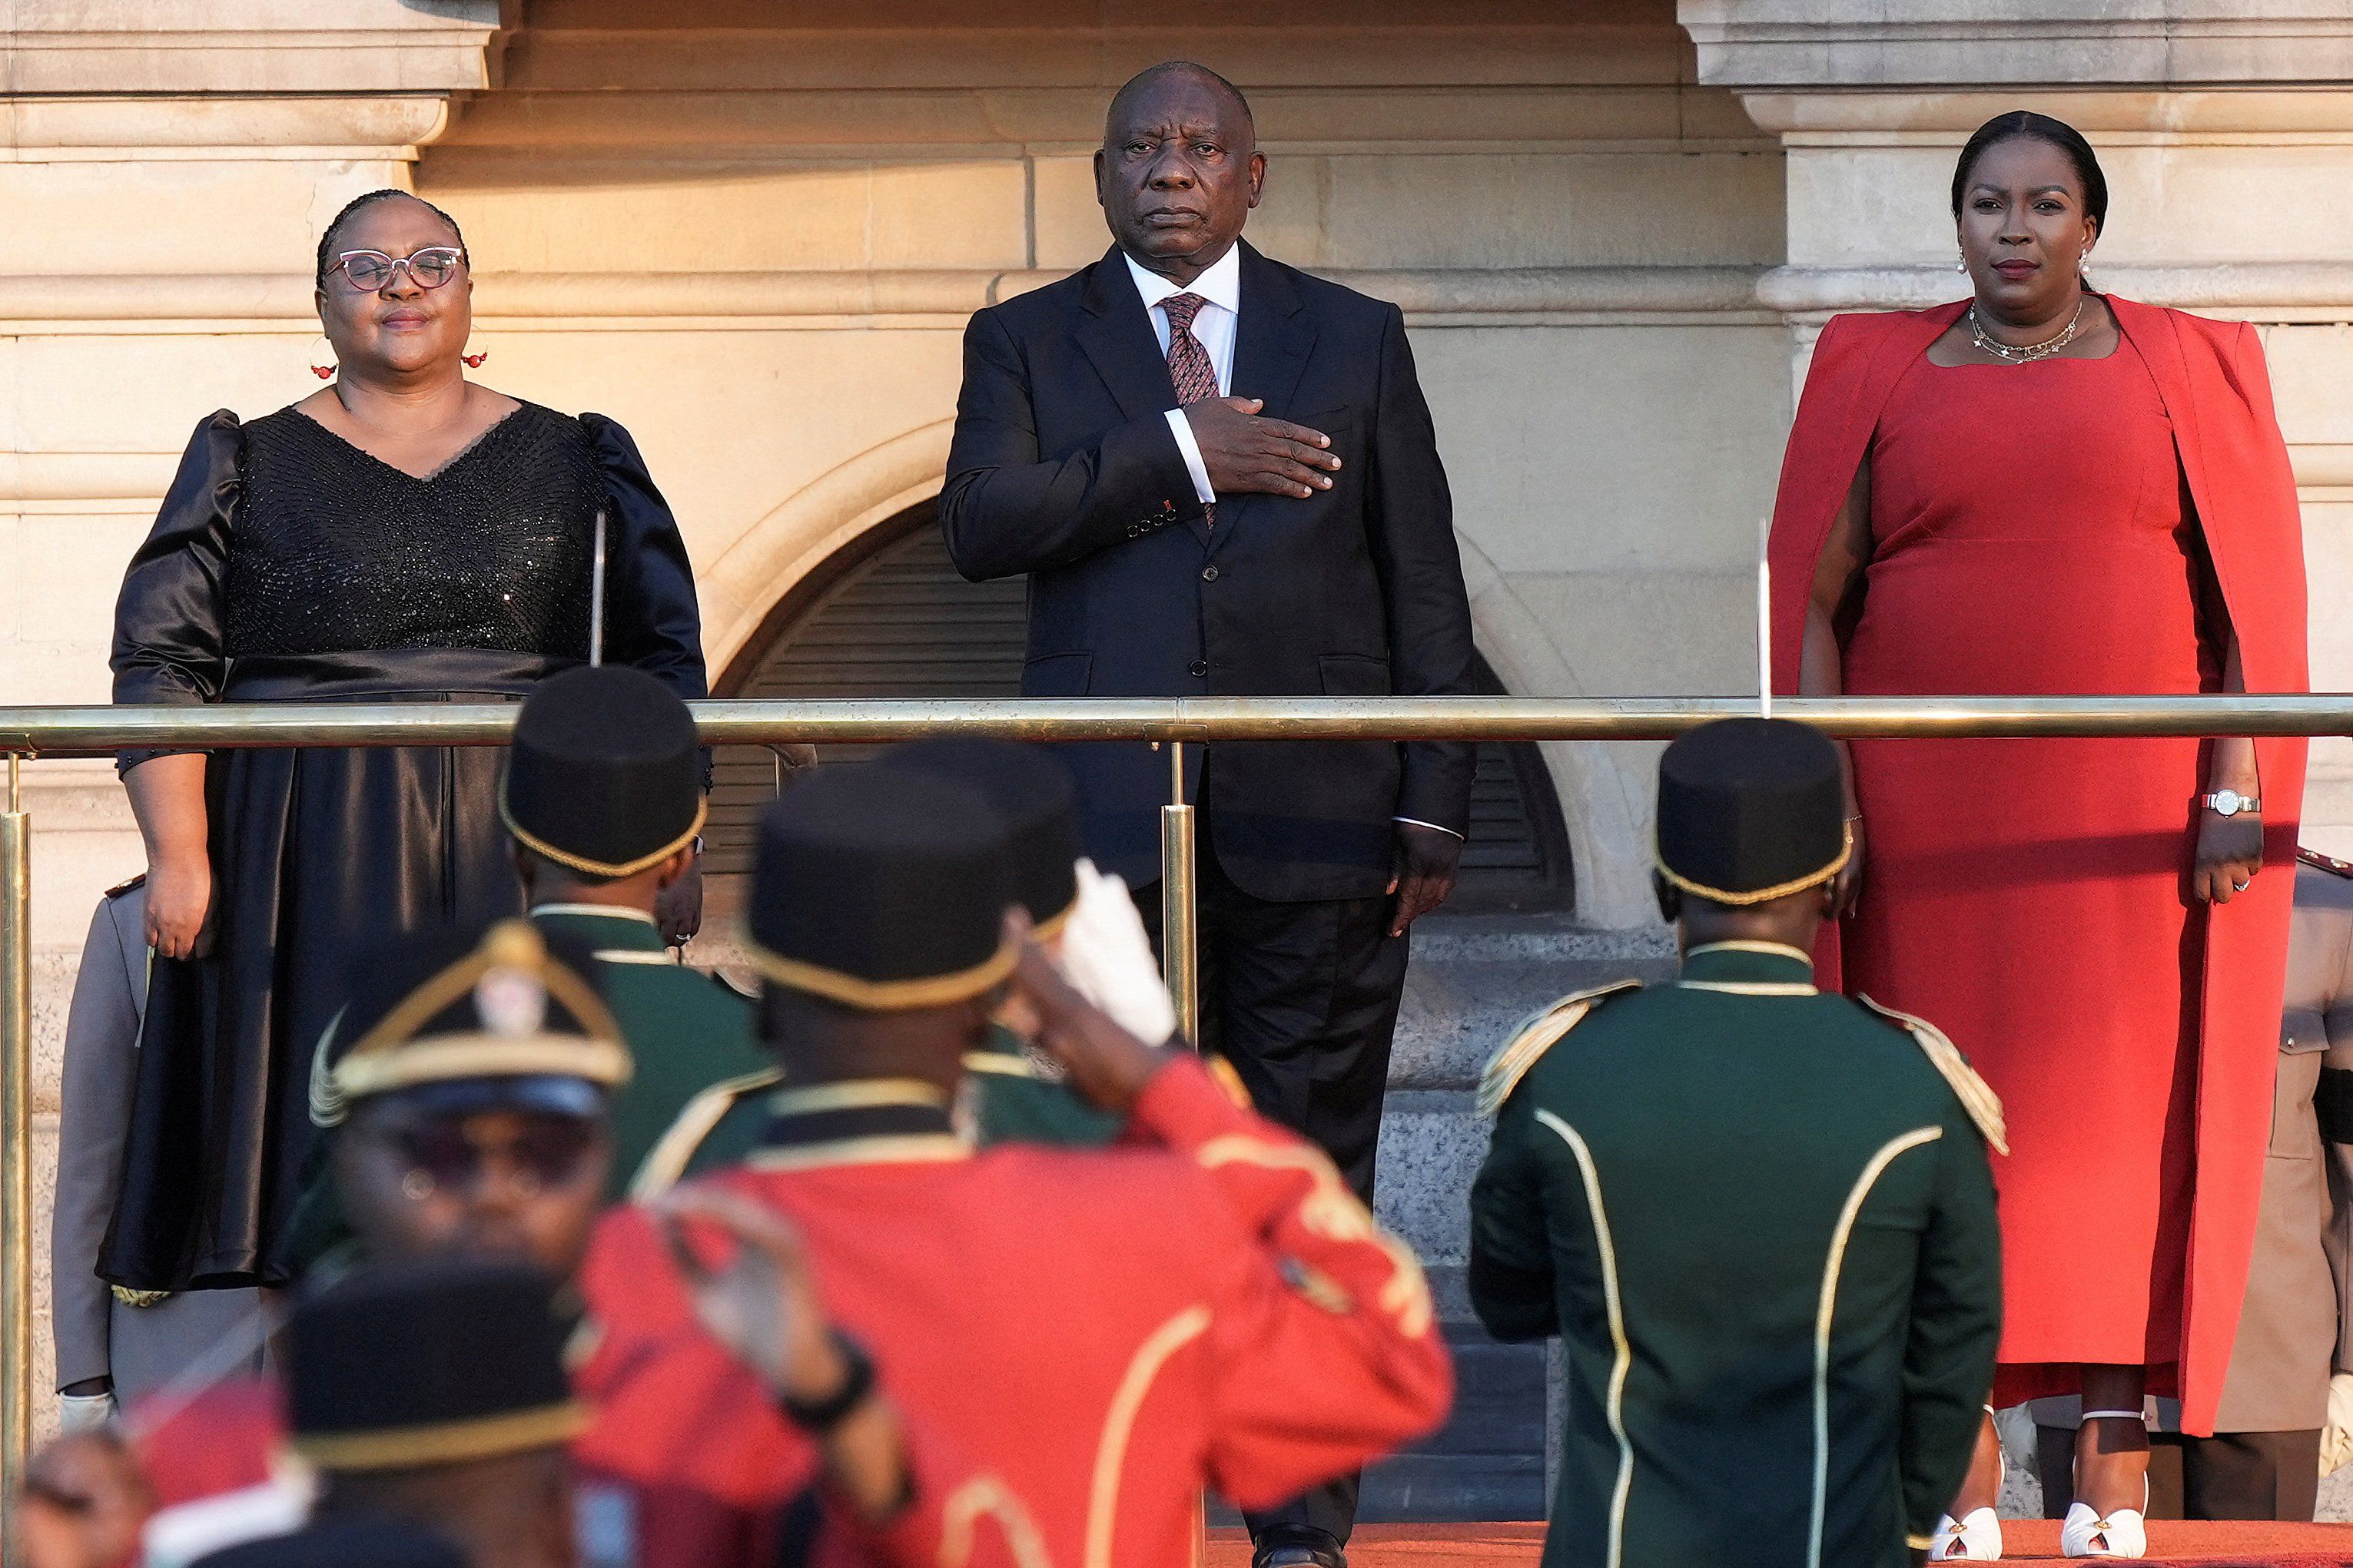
1353 674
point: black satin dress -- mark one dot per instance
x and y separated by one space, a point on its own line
287 565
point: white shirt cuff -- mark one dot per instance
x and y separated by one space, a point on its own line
1182 429
1420 823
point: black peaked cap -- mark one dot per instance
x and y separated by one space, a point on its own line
604 775
881 889
451 1002
342 1543
1750 809
1031 789
398 1365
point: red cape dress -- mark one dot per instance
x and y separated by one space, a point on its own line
2210 381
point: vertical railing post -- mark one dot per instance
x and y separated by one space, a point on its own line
1179 950
16 1151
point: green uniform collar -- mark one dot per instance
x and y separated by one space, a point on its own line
1748 969
606 925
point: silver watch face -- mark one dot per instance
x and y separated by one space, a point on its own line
2228 802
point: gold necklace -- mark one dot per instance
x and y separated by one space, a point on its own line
2024 354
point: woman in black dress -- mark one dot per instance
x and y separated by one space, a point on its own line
403 534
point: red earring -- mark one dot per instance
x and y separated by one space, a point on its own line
325 372
474 360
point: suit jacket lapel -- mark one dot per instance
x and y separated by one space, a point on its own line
1272 342
1117 338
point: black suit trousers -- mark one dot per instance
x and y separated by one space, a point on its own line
1302 998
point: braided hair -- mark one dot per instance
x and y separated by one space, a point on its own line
369 199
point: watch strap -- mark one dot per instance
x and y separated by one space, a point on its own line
817 1417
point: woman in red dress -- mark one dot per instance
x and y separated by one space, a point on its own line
2048 491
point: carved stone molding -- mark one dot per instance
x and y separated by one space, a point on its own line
259 48
1816 45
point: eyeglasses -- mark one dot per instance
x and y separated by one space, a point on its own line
372 271
544 1151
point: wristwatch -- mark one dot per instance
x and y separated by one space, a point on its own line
2229 802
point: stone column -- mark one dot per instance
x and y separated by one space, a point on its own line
164 168
2226 131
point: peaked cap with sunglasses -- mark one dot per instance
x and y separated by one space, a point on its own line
881 889
1751 810
603 776
430 1363
1030 790
482 1020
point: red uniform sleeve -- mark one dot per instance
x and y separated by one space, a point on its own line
710 1463
1324 1350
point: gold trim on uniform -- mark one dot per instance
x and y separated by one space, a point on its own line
480 1054
1738 944
538 846
1119 1422
637 955
856 1094
130 1298
1976 1095
510 944
1751 987
987 1497
666 1161
1000 1063
1331 1211
1759 895
880 995
611 912
1825 1312
884 1149
1533 1037
443 1443
1621 1347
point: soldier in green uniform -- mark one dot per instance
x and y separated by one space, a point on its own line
604 796
1758 1215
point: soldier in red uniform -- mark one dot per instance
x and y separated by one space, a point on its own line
1110 1330
476 1074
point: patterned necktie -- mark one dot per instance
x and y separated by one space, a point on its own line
1188 363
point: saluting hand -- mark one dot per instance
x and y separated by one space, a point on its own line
1108 1065
1246 452
762 1304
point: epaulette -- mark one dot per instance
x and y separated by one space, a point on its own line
1533 1037
1976 1095
2319 862
719 978
125 886
674 1150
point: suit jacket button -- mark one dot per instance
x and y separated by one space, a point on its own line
1209 573
1199 666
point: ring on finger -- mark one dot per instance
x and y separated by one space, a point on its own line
2239 887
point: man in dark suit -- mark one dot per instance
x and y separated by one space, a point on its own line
1220 475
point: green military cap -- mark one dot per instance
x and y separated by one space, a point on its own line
496 1012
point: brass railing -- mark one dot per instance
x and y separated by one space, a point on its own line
26 732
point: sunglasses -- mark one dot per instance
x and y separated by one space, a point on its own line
443 1156
372 271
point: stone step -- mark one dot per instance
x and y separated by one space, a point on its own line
1474 978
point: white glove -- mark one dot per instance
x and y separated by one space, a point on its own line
2336 1433
84 1412
1108 959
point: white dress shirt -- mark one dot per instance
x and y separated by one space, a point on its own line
1213 329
